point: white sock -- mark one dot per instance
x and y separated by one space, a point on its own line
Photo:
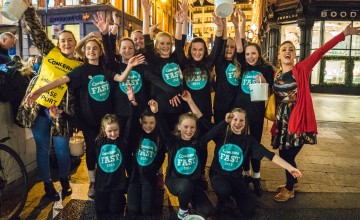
91 175
256 175
182 211
246 173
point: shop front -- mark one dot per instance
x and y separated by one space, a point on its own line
311 25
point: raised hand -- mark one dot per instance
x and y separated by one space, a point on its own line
186 96
175 101
136 60
229 117
146 5
184 7
152 29
235 18
153 106
217 20
100 22
179 17
130 94
350 30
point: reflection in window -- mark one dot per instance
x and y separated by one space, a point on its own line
334 71
356 72
333 28
355 44
316 35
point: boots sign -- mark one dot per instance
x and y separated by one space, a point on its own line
340 14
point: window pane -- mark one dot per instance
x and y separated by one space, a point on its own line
315 75
356 72
333 28
334 71
355 53
355 44
338 53
316 35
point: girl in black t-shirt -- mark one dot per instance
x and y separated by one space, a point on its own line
184 147
233 145
227 68
149 155
112 155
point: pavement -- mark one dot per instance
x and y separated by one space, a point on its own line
329 188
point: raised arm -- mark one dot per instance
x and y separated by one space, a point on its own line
146 7
134 61
179 17
35 94
37 33
235 21
186 96
184 6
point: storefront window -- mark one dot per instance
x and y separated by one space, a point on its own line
72 2
334 71
356 72
315 43
333 28
291 32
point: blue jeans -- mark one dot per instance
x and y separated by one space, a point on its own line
42 135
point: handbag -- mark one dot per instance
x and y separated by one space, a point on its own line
270 108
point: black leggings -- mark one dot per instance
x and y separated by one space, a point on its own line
112 202
141 198
256 129
226 187
90 134
189 191
289 156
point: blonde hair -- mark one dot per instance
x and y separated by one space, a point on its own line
246 129
282 44
108 119
182 117
160 35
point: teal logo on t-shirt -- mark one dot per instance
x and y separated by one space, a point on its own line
198 81
134 79
230 157
99 89
231 75
186 161
110 158
171 74
247 79
145 155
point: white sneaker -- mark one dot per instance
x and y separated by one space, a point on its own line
91 192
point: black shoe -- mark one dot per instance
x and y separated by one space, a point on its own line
66 188
247 181
257 186
50 191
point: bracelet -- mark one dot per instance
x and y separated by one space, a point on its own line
117 24
179 22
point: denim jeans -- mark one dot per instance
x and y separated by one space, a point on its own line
42 135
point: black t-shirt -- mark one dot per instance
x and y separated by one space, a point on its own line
112 156
199 84
149 155
254 110
168 69
94 93
183 155
226 85
231 151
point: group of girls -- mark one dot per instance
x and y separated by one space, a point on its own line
113 92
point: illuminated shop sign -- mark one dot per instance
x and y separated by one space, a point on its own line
76 18
340 14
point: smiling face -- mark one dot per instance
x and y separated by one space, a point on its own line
238 123
138 39
148 123
127 49
67 43
187 128
93 52
230 49
163 45
251 55
112 131
287 54
197 51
